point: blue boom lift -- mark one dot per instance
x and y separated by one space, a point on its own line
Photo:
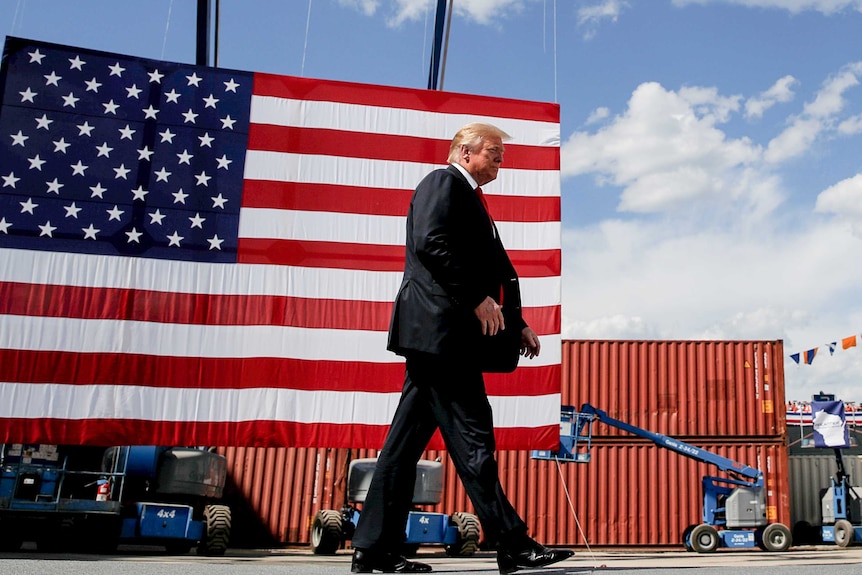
734 508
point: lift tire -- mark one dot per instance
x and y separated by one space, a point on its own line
844 534
686 534
468 535
777 537
327 532
704 538
217 524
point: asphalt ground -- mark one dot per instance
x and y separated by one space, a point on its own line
820 560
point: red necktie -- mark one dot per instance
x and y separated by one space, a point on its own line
484 203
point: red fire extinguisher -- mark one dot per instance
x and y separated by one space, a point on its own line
103 489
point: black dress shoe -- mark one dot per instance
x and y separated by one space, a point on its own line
367 562
530 557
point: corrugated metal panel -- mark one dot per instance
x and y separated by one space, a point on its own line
629 494
809 476
680 388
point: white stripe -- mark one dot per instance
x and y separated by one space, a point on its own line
81 270
384 174
266 223
394 121
184 340
29 401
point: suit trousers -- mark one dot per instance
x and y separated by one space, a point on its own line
437 394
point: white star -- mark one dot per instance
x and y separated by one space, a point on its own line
27 95
18 139
52 79
197 221
162 175
190 116
10 180
150 113
93 85
219 201
85 129
133 91
78 169
172 96
36 162
185 157
203 179
4 226
76 63
70 100
61 145
47 229
90 232
126 133
156 217
104 150
145 154
223 162
230 86
193 79
121 172
98 191
175 239
167 136
72 211
206 140
111 107
215 243
155 76
180 197
54 187
140 193
227 123
115 213
134 236
36 56
210 102
28 206
43 122
116 70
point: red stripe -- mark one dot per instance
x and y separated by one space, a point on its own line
327 142
406 98
245 434
378 202
370 257
27 366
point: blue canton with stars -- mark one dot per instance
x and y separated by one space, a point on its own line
106 154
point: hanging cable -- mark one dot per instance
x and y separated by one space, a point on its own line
167 27
15 17
555 52
574 513
305 45
446 45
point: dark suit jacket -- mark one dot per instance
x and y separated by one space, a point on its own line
454 259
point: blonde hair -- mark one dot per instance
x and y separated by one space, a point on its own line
471 136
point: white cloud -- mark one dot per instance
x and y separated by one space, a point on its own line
486 12
591 17
827 7
851 126
598 115
780 92
367 7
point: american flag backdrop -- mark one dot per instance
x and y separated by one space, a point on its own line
201 256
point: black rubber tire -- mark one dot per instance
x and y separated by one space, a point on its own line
217 524
704 538
777 537
685 537
468 535
327 532
844 534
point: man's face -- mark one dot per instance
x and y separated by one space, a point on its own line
483 163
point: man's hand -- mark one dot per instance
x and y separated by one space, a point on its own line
490 315
530 346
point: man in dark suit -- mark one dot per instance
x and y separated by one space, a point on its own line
450 298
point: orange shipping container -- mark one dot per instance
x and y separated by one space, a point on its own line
683 389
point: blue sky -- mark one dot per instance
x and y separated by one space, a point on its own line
711 149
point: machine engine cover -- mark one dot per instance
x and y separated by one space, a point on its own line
428 489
